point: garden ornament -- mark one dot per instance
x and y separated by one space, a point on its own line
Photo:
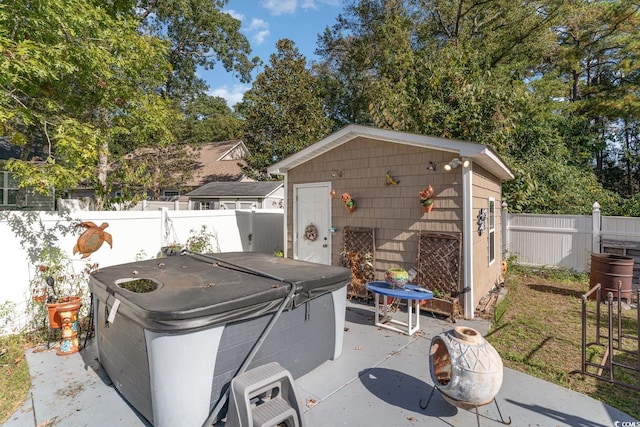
92 238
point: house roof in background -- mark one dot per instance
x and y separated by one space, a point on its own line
237 189
218 161
9 150
478 153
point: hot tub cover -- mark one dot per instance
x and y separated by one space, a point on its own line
196 291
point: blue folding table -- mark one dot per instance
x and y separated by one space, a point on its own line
412 293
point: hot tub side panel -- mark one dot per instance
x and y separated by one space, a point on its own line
148 376
122 352
301 340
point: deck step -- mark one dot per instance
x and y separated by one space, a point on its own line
273 413
264 396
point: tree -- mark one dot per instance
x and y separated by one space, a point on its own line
63 78
283 111
208 118
73 71
158 160
474 70
200 34
598 58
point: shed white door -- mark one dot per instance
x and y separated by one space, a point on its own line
312 211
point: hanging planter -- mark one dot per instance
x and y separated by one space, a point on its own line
349 202
426 198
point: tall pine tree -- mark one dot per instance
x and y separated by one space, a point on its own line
283 111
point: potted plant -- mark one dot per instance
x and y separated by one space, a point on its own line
349 202
199 241
442 303
426 198
57 288
170 250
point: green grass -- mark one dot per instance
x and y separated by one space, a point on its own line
14 375
537 330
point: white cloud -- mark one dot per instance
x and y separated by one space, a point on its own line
280 7
233 95
313 4
234 14
261 36
257 24
258 30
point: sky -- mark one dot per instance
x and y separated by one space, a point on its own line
264 22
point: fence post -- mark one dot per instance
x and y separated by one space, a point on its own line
252 219
505 229
164 226
176 205
596 226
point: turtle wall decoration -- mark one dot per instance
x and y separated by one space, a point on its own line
92 238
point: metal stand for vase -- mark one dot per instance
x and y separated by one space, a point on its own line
466 406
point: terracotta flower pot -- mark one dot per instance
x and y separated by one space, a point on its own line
351 208
54 308
64 315
427 208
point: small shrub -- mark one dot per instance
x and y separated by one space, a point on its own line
199 241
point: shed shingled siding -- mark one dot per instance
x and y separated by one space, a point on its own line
394 210
485 276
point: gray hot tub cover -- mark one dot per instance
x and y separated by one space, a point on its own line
198 291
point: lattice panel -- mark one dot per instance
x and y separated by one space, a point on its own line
440 262
359 256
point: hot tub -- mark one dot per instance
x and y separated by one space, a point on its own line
172 332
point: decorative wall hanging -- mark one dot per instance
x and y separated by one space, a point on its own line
92 238
310 232
426 198
389 180
482 221
349 202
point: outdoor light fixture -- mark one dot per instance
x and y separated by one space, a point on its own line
455 163
337 173
431 167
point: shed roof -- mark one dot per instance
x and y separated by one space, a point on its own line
478 153
236 189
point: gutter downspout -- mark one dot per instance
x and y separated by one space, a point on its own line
467 240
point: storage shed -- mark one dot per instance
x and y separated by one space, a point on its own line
454 249
237 195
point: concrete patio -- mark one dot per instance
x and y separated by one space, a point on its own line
380 380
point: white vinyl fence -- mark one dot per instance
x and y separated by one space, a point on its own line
136 235
567 241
